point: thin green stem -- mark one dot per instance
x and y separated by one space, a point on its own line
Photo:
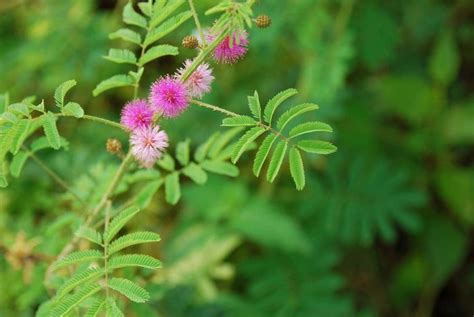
53 175
106 249
99 120
198 24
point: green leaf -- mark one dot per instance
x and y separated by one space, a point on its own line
245 141
78 257
7 135
182 152
22 132
317 147
112 309
133 239
17 163
3 181
167 27
90 234
172 188
445 60
119 221
162 13
262 153
39 107
145 195
126 35
146 8
51 131
203 149
167 163
113 82
79 278
221 141
276 161
134 260
196 173
65 306
297 168
276 101
73 109
294 112
309 127
61 92
240 121
96 308
19 108
121 56
254 105
220 167
4 101
129 289
157 52
130 16
9 117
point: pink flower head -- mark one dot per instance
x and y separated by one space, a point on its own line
136 114
199 82
226 54
147 144
168 96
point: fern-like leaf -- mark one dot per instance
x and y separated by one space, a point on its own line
66 305
121 56
294 112
96 308
297 168
80 277
78 257
254 105
276 101
129 289
130 16
61 91
309 127
134 260
172 188
317 147
90 234
245 141
276 161
51 130
133 239
262 153
119 221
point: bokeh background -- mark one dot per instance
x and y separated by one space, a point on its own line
384 226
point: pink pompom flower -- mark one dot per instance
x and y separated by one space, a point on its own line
148 144
168 96
227 54
199 82
136 114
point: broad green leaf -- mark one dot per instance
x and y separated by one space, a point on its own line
73 109
129 289
17 163
65 306
78 257
172 188
276 101
130 16
119 221
254 105
262 153
22 132
167 162
161 13
220 167
61 92
121 56
196 173
51 131
245 141
294 112
79 278
276 161
317 147
134 260
240 121
167 27
126 35
113 82
297 168
132 239
20 109
309 127
182 152
157 52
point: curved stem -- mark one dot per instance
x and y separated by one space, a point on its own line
99 120
196 21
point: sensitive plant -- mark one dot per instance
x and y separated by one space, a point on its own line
91 280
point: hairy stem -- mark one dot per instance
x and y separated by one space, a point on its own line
54 176
106 249
198 24
99 120
105 197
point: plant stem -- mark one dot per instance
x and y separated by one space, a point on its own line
99 120
106 196
54 176
106 249
198 24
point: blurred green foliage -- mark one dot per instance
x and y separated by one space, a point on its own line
384 227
